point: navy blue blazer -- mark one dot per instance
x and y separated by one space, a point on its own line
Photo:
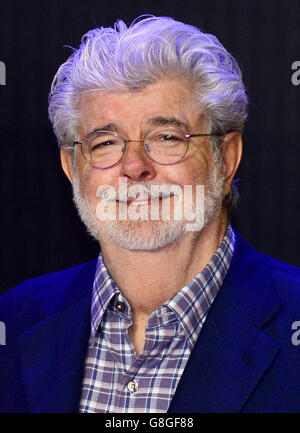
244 359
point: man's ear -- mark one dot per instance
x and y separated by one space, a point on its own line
67 163
232 154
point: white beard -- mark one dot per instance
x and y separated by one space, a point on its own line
149 234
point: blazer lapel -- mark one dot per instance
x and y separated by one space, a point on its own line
229 358
53 354
232 352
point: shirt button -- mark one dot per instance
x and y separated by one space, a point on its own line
120 306
132 386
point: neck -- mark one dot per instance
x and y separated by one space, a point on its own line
148 279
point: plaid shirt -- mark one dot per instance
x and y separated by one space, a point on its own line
115 379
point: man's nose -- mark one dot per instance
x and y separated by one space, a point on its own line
135 164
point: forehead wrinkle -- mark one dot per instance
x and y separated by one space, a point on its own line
107 127
112 127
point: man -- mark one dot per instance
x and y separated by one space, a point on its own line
178 313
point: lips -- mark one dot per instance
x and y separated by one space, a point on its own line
144 201
139 202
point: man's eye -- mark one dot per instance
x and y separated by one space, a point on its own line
169 137
105 143
102 144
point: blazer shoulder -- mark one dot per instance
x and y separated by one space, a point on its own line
282 274
49 291
254 259
286 280
262 275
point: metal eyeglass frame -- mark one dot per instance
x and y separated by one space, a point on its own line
187 136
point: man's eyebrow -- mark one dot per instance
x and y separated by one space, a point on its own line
154 121
109 127
168 121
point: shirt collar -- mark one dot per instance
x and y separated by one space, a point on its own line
190 304
104 289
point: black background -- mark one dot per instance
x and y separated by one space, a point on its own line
40 230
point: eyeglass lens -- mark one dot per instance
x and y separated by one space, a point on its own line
105 148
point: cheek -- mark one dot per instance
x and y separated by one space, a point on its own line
91 179
192 171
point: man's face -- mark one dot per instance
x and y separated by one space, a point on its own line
132 115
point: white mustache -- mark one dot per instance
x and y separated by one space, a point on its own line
145 191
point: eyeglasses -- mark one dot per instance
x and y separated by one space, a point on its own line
104 149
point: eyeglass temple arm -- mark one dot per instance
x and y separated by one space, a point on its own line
219 134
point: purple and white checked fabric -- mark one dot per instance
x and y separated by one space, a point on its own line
115 379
